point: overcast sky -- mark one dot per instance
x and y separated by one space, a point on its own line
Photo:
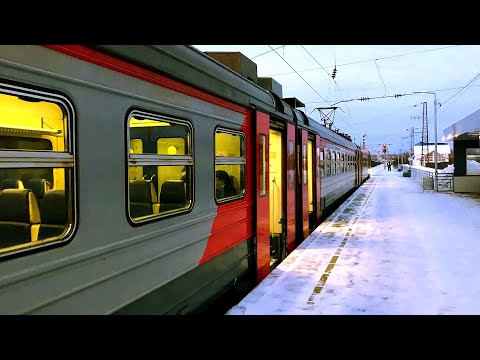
378 72
391 249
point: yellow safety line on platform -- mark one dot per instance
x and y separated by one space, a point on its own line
323 279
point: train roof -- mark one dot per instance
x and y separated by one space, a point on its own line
196 68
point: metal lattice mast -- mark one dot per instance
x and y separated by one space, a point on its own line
424 135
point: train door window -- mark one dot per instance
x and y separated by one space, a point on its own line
291 164
304 164
317 163
343 166
328 163
230 161
36 168
160 166
339 163
334 163
263 170
322 163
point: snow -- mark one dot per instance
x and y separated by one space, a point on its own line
391 248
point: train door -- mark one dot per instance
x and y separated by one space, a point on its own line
262 195
358 170
290 191
277 217
318 178
302 189
310 182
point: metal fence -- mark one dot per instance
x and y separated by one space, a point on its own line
444 180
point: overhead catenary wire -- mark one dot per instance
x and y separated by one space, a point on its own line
314 59
371 60
316 92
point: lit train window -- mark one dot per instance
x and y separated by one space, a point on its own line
230 177
36 169
160 166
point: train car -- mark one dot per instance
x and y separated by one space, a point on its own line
114 168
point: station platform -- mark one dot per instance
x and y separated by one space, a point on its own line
392 248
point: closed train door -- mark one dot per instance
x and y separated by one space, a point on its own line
317 182
358 168
262 195
311 183
302 187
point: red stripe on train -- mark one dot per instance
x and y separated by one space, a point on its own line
110 62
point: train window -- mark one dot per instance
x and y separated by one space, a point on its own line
160 167
322 163
291 164
339 162
334 163
328 163
230 165
36 169
317 163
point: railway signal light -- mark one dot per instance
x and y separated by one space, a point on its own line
384 148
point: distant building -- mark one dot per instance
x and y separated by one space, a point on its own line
465 134
443 150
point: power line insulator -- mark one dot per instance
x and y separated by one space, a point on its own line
334 73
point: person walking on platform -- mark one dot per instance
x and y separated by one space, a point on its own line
389 165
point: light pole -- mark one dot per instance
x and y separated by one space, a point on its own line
435 185
423 156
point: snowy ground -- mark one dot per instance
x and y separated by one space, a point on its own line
391 248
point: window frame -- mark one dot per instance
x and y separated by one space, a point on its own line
157 160
21 159
227 160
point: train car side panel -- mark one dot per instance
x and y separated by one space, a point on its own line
109 263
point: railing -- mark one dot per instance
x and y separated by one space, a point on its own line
444 180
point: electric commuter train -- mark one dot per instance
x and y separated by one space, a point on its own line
108 156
